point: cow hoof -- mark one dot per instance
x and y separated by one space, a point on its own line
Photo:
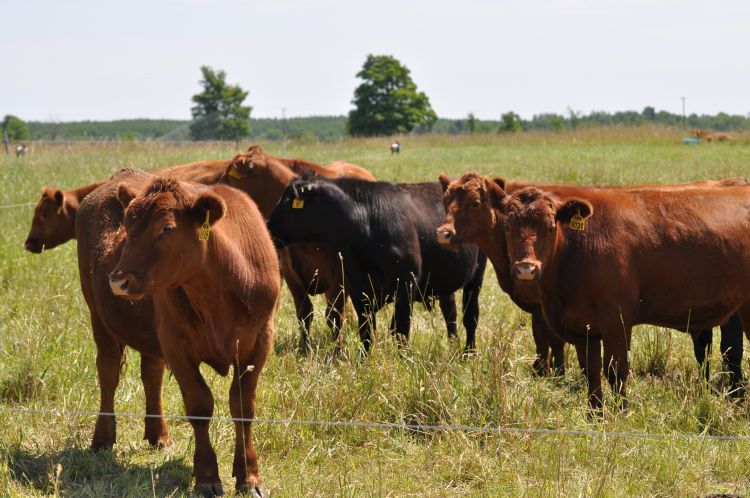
209 490
163 444
469 353
256 491
101 445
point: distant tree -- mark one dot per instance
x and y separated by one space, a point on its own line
471 123
649 113
510 122
574 117
15 128
218 113
387 101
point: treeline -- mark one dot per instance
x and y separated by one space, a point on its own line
334 127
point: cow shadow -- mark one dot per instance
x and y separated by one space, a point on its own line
84 472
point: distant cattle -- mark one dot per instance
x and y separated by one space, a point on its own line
616 258
713 136
395 148
308 269
21 150
385 235
472 217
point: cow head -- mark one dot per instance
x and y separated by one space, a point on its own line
470 208
308 208
258 175
53 223
164 241
533 221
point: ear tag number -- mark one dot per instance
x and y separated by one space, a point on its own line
205 230
298 204
577 222
235 173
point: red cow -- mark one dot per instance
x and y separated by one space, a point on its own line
205 257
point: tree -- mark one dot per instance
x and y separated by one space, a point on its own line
510 122
387 102
218 113
471 122
15 128
649 113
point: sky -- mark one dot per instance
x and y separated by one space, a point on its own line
101 60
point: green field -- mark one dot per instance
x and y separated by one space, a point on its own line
47 358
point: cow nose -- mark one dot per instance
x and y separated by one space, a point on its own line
32 245
120 283
445 236
526 270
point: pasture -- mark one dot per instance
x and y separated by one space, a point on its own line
47 358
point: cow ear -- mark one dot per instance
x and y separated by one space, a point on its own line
210 203
444 181
496 193
500 182
125 194
572 207
59 197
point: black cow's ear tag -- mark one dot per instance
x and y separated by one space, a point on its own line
205 229
235 173
577 222
298 204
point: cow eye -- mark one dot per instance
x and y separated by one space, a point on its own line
168 228
476 203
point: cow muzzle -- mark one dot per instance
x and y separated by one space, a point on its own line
33 245
126 284
447 237
526 270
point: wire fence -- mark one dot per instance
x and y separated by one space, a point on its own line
388 425
25 204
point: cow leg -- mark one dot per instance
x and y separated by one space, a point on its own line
470 304
304 309
617 369
589 354
242 406
541 343
152 376
109 356
557 347
335 315
450 314
402 316
702 348
199 402
731 351
365 319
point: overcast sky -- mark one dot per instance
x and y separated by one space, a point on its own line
71 60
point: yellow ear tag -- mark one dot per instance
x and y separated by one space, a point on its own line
59 210
205 229
577 222
235 173
298 204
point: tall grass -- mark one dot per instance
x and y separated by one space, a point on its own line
47 358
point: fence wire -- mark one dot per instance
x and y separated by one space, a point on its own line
388 425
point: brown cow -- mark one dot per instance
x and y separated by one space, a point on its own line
54 215
676 258
713 136
211 296
471 218
308 269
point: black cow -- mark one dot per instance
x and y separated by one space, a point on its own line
385 235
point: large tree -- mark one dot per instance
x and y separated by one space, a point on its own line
218 113
387 102
15 128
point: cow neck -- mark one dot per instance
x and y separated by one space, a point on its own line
282 176
549 278
496 249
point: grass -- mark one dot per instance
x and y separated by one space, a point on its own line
47 358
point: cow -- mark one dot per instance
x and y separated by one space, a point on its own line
196 269
21 150
54 217
54 214
677 258
713 136
308 269
384 233
395 147
472 218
